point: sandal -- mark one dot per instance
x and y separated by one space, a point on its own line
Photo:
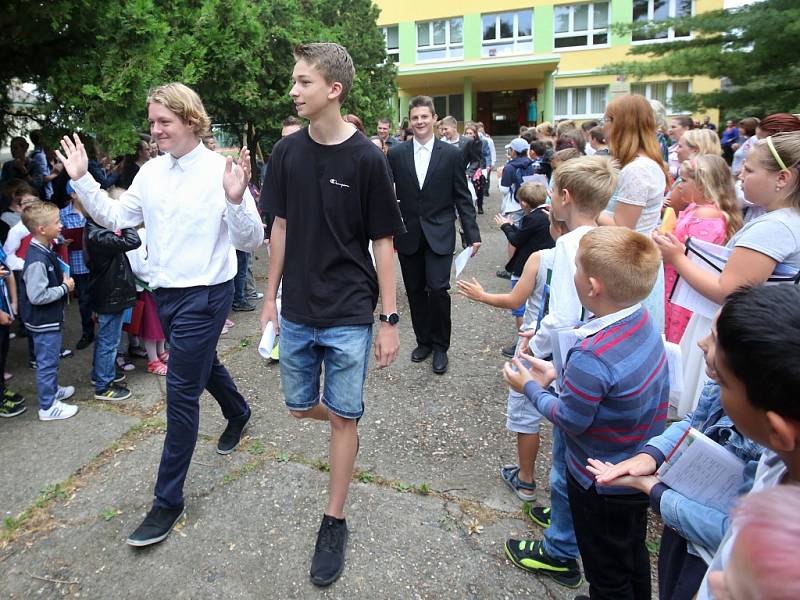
164 357
124 364
156 367
524 491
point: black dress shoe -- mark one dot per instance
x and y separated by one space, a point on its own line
84 341
156 526
440 362
232 435
420 353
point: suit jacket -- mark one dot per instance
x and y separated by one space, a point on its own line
429 211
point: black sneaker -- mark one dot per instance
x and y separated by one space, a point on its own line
503 274
232 435
33 364
66 353
8 410
509 351
84 341
243 307
119 377
14 398
538 514
113 392
328 562
531 557
156 526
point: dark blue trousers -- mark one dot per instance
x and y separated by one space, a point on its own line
192 319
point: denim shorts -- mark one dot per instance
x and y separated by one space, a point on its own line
522 416
343 351
520 310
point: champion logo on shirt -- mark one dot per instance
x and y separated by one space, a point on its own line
341 185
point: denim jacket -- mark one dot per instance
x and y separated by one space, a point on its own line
701 526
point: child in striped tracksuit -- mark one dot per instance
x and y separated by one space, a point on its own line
614 397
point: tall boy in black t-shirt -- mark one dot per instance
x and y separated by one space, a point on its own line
330 192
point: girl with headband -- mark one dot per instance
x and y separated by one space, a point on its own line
770 179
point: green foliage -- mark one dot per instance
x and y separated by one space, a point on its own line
93 62
109 513
750 46
366 477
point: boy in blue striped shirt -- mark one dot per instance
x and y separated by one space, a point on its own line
614 397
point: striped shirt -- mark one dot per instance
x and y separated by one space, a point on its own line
614 394
72 219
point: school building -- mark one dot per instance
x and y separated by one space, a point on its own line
514 62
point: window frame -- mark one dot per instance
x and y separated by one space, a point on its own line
590 31
673 5
448 46
393 52
516 41
570 91
670 92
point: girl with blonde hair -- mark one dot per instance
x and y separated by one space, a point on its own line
713 217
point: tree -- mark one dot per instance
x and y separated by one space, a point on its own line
93 62
752 47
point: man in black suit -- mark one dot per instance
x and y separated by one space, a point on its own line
431 185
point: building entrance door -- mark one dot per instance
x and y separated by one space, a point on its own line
502 113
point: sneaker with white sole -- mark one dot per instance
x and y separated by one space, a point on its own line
57 411
64 393
113 392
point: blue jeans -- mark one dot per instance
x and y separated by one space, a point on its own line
343 349
559 538
239 281
48 351
109 330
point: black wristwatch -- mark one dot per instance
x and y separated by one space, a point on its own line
392 319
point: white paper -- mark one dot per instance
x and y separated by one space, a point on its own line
675 365
712 258
462 259
704 471
267 340
562 338
537 178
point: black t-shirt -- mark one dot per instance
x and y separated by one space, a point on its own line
334 199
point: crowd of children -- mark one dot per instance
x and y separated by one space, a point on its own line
594 260
591 358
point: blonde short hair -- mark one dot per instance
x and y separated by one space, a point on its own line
184 102
449 121
332 61
532 194
38 213
591 180
703 141
625 261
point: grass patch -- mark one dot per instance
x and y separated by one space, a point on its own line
365 477
109 513
256 447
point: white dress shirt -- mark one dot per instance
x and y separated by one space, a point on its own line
192 229
422 158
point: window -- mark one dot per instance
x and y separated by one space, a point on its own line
452 105
663 91
660 10
580 25
507 33
392 39
580 102
440 39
